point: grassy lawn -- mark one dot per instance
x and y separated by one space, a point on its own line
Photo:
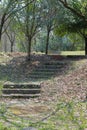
67 53
73 53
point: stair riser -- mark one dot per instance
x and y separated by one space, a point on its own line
50 67
46 70
55 65
55 62
43 74
21 91
8 86
20 96
40 76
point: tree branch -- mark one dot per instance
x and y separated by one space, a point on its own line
19 9
66 5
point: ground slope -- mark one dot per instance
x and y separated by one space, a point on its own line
68 84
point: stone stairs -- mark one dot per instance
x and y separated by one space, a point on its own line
28 90
45 71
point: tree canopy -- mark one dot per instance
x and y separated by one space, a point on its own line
26 19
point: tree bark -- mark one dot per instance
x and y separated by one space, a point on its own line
29 48
85 45
47 41
2 24
0 35
12 46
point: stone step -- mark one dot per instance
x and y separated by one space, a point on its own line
42 73
22 85
20 95
48 70
55 63
41 76
21 91
50 66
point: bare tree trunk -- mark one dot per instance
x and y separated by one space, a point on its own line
0 35
85 45
47 41
12 46
29 48
11 39
2 24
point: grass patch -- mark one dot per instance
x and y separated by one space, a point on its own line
67 53
67 116
73 53
3 127
1 86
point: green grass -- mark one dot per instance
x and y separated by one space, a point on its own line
1 86
73 53
66 116
4 58
3 127
67 53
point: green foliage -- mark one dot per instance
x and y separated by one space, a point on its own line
41 44
21 47
47 126
70 42
2 108
1 86
42 14
2 127
77 4
60 30
71 115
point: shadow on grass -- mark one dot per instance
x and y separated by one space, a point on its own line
41 67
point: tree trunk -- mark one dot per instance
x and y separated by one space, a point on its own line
47 41
0 35
12 47
29 48
85 45
2 24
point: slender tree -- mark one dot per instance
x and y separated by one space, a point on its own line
32 23
11 37
49 15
